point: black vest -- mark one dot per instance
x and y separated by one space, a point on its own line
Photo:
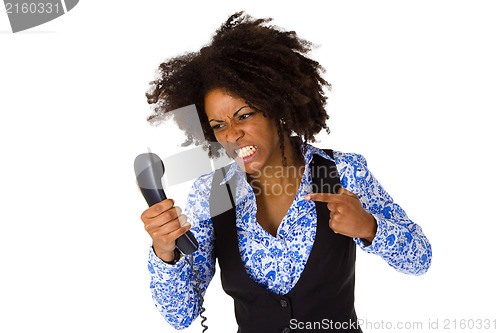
322 299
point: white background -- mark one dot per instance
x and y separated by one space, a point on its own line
415 89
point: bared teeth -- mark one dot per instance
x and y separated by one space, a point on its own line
246 151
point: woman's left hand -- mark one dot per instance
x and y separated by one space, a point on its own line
347 215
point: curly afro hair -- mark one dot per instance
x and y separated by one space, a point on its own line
249 59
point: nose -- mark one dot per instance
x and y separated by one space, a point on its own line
233 133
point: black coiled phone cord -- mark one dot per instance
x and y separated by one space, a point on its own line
199 294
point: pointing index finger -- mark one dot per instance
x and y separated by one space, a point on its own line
322 197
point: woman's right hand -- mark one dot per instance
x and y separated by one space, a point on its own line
165 223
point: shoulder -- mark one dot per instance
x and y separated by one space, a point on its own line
197 203
351 168
203 183
202 186
341 158
349 159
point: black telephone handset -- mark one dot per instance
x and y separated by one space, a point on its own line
149 169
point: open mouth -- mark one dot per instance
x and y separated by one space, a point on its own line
246 151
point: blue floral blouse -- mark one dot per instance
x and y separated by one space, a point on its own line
276 263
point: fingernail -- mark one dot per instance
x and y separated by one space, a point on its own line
307 197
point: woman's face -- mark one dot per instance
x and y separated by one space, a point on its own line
248 136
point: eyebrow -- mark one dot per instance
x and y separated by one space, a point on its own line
234 114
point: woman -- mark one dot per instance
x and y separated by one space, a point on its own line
286 242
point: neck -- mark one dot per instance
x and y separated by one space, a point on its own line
280 174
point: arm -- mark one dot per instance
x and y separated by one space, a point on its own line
173 286
398 240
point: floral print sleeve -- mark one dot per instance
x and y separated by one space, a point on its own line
399 241
173 286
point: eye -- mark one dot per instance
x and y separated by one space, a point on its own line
217 127
245 116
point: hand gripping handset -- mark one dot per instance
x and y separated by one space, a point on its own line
148 170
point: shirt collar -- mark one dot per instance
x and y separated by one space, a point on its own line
309 151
